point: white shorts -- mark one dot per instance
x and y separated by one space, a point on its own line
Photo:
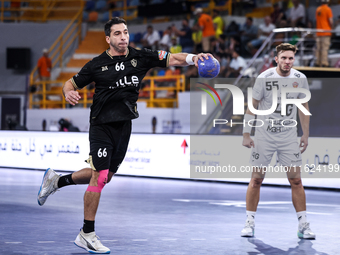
288 154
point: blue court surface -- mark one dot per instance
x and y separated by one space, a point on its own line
161 216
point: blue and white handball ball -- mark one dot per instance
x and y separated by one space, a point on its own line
209 68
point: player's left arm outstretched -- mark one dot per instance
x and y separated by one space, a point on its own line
304 119
184 59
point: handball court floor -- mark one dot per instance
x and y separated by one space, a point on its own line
162 216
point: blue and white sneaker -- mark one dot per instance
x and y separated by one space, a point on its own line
90 242
48 185
304 231
249 229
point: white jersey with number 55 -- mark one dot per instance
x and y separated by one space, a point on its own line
277 126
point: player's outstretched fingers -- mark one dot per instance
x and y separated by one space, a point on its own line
202 56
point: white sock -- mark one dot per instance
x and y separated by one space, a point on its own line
302 217
250 216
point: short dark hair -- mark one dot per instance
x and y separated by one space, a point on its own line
285 47
250 19
111 22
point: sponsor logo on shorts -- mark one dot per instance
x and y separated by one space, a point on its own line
295 161
255 155
162 54
296 155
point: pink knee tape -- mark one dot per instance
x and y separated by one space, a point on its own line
102 179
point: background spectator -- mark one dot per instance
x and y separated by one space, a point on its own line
324 20
232 29
185 36
44 68
197 38
265 29
175 47
151 38
218 23
214 45
267 62
277 15
297 14
235 44
165 42
248 33
207 26
236 66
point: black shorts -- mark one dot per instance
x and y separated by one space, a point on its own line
108 144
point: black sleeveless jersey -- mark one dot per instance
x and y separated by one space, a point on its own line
117 82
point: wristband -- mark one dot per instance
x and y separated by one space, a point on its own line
246 127
188 59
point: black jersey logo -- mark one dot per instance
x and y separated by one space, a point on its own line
134 62
104 68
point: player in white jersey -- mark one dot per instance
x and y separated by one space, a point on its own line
278 134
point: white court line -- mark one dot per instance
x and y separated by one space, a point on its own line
198 239
273 207
169 239
45 241
139 240
13 242
241 203
323 205
319 213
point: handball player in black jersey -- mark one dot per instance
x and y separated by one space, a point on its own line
117 74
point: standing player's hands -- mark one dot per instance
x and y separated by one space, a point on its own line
303 143
72 97
201 56
247 141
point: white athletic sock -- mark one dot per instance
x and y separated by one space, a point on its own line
302 217
250 216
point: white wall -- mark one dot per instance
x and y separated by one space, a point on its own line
166 156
